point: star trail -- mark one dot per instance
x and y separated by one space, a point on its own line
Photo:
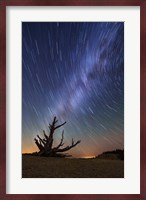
75 71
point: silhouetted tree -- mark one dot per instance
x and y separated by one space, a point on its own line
45 145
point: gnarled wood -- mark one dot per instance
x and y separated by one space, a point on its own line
45 145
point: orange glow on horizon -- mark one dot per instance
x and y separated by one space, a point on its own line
89 157
33 149
29 150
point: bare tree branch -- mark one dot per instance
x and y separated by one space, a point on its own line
41 140
60 125
38 144
47 138
45 145
68 147
61 142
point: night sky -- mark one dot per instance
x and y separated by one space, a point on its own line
75 71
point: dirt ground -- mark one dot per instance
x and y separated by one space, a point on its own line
42 167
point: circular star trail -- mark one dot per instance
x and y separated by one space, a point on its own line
75 71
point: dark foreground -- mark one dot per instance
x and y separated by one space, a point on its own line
42 167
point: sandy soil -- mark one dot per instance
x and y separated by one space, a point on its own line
42 167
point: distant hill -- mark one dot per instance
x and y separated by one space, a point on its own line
117 154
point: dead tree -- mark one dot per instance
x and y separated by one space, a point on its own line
45 145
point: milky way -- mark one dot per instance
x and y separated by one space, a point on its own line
75 71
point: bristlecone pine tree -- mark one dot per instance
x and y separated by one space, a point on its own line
45 145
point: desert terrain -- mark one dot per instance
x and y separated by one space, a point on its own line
44 167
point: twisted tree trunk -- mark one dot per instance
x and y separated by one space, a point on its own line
45 145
